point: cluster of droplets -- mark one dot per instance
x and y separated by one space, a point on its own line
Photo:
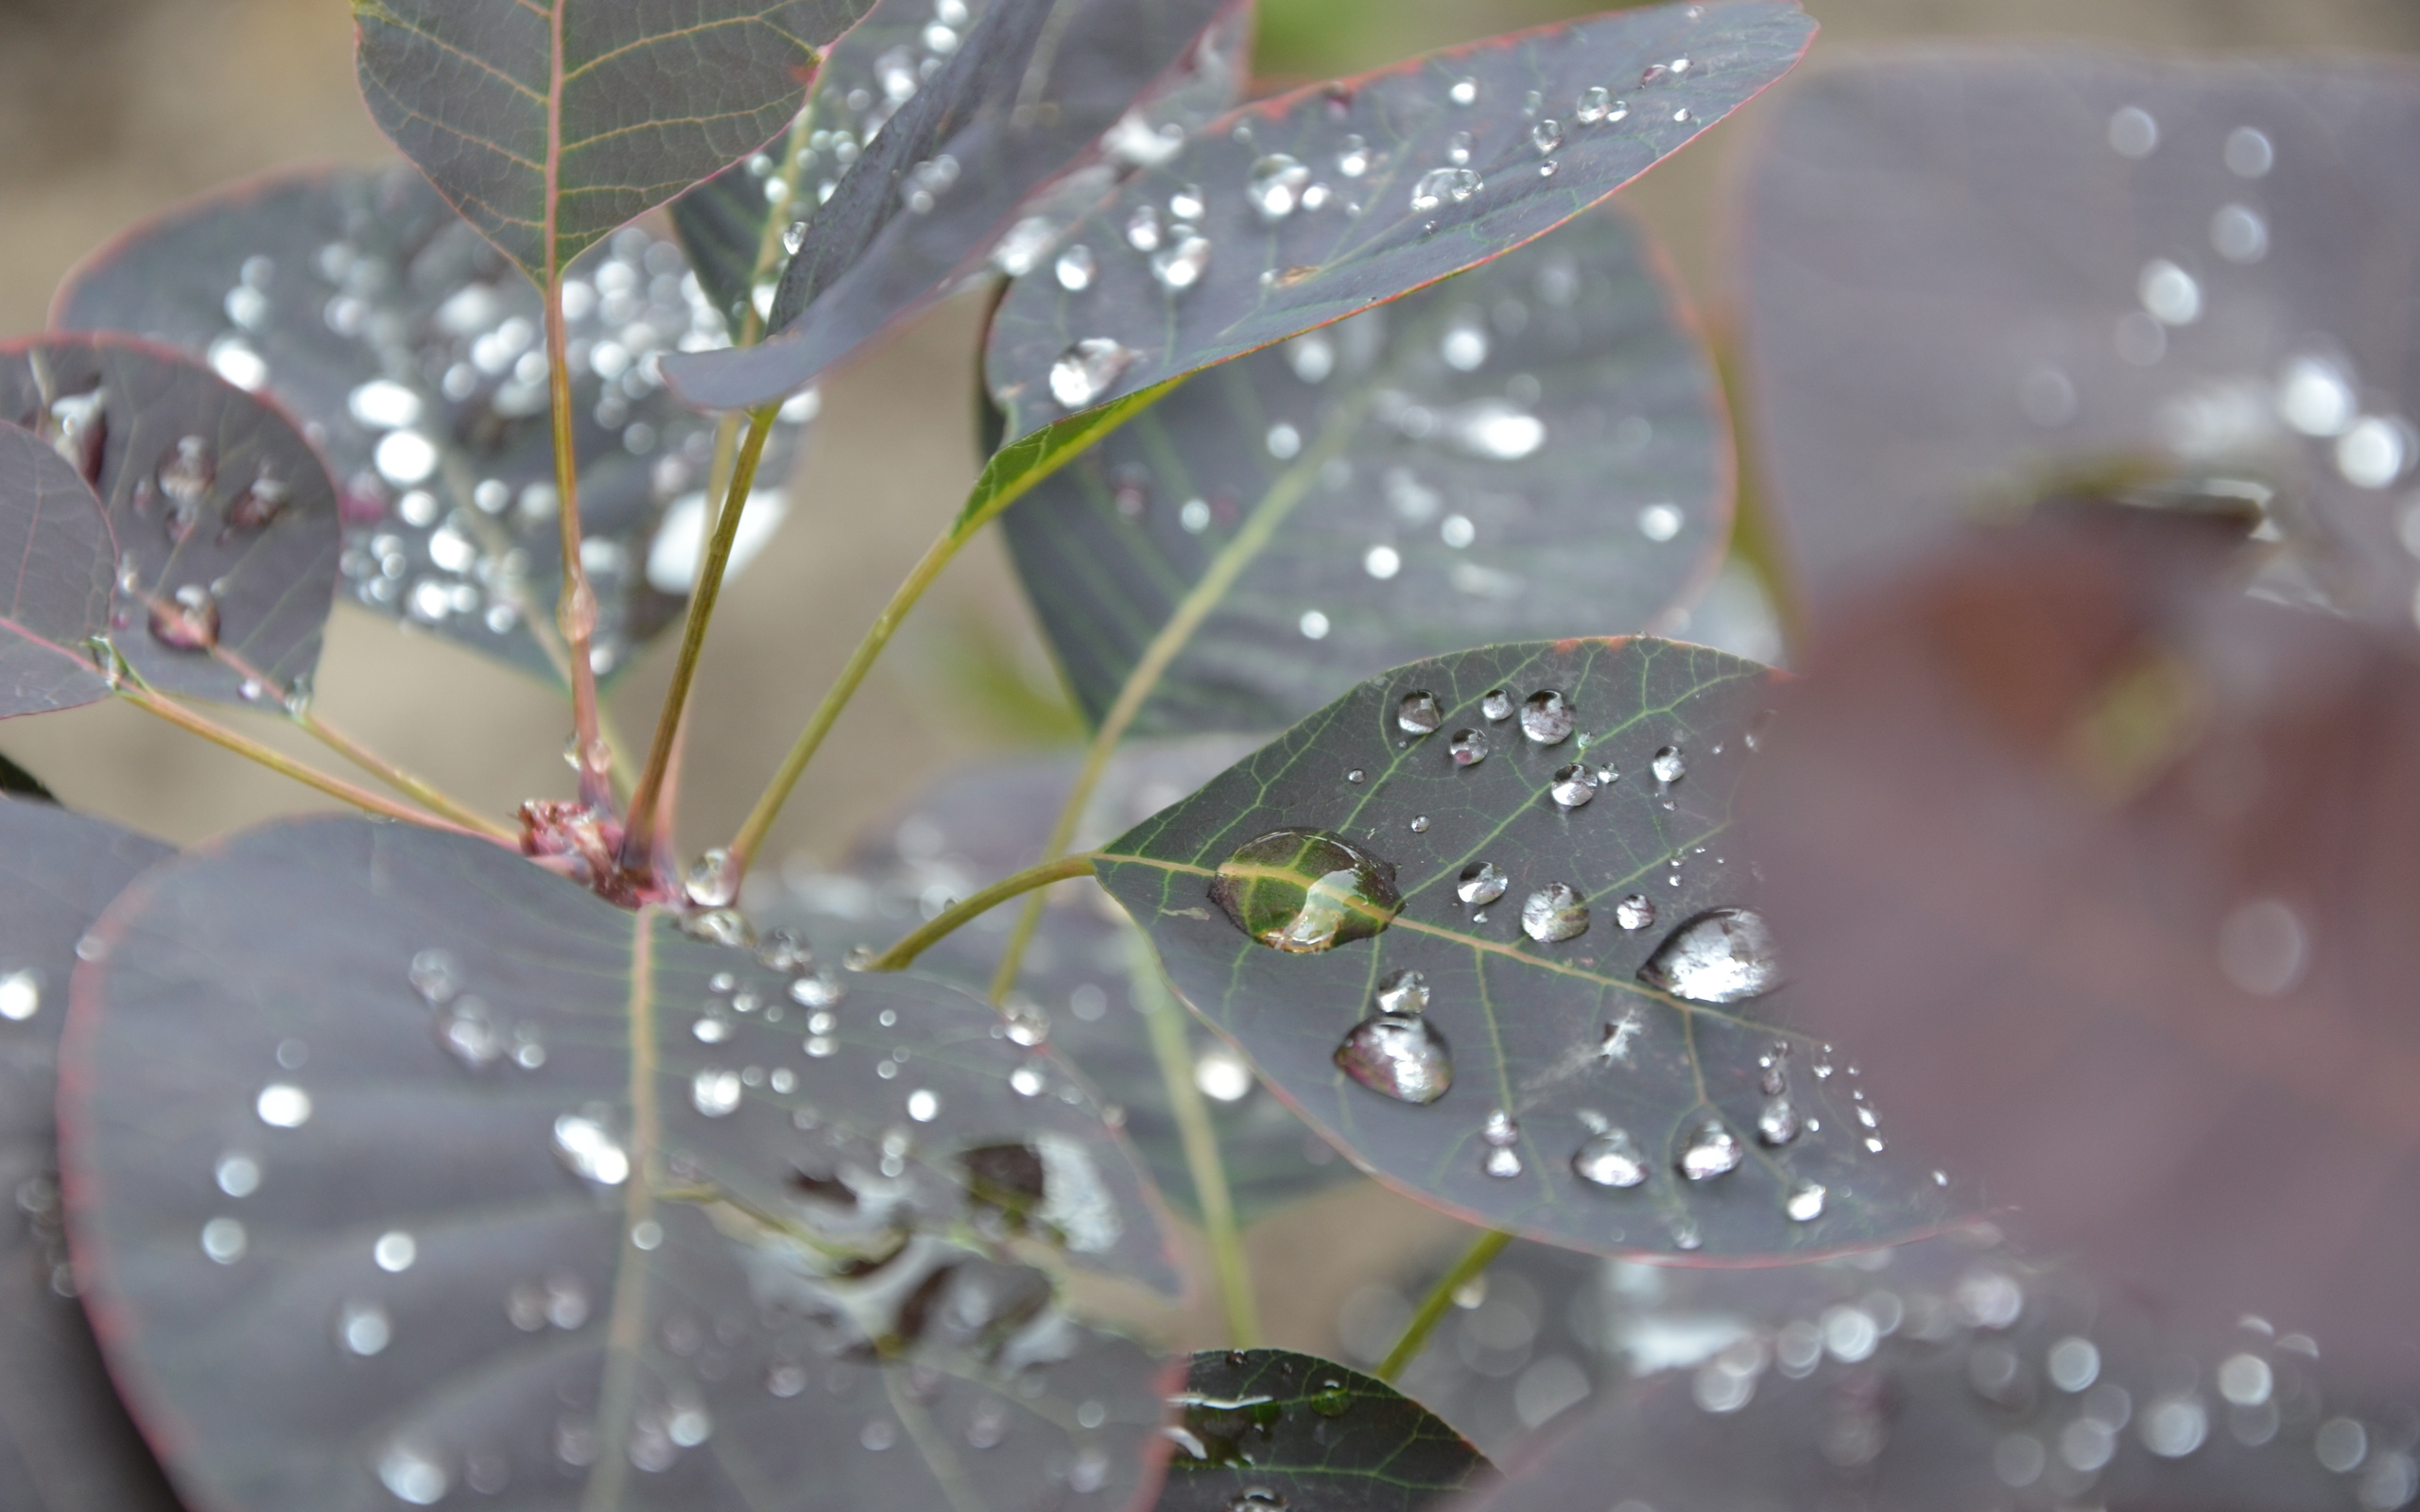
466 1028
1174 247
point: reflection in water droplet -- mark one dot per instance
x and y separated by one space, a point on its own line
1573 785
1400 1057
1723 955
1179 265
1712 1151
1468 748
1303 890
1480 885
1548 717
1554 912
1635 912
1805 1202
1439 186
713 881
1670 764
1417 713
1076 267
1085 370
1276 185
1610 1159
590 1150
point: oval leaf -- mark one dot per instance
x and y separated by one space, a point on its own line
69 1445
1027 93
548 125
51 521
362 303
1624 1052
1536 449
1298 211
1274 1429
541 1193
1968 272
223 517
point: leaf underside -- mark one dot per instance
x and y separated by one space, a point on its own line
1537 448
1562 1038
802 1288
1336 240
210 494
52 525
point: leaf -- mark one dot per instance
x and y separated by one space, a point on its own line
223 516
1293 240
1025 97
15 781
366 308
548 125
1023 464
65 1443
1536 449
1279 1429
730 222
802 1289
1087 980
1956 1379
1953 281
1562 1054
50 524
2084 857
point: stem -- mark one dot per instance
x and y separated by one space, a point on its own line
625 1328
1440 1297
219 734
1165 1021
760 819
640 838
418 789
576 615
949 919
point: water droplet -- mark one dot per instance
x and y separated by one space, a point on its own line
1464 90
1464 348
2240 234
2249 154
1439 186
1303 890
412 1474
2074 1364
715 1092
1027 1080
1258 1499
1573 785
1179 265
189 621
923 1106
365 1328
2246 1380
1635 912
1660 521
1352 157
434 976
1187 203
1076 267
1712 1151
223 1240
1546 135
1596 105
1416 714
283 1105
2374 452
1482 884
1805 1202
1554 912
1548 717
1313 625
590 1150
1670 764
1400 1057
1220 1075
1085 370
1276 185
1357 775
1723 955
821 990
1284 441
713 881
82 426
238 1175
2315 398
1497 705
1468 748
1778 1124
793 237
2133 132
2172 296
394 1251
1610 1159
260 502
19 995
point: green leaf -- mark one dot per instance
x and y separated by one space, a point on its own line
1537 448
1270 1429
1016 469
537 1193
1576 1040
548 123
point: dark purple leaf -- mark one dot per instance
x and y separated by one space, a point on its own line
1537 449
549 126
223 516
505 1216
1028 93
2097 868
1298 211
1580 1032
414 359
65 1443
1088 980
1968 273
1268 1428
52 527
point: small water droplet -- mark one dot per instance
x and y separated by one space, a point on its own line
223 1240
1548 717
590 1150
713 881
1546 135
1635 912
1357 775
365 1328
1398 1055
923 1106
1439 186
188 622
1596 105
1403 993
1468 748
1670 764
1778 1123
1573 785
1352 157
793 237
1416 714
1464 90
283 1105
715 1092
1805 1202
1076 267
1554 912
1305 891
821 990
1258 1499
1028 1080
238 1175
1482 884
394 1251
1220 1075
2133 132
1610 1159
1420 824
19 995
2248 152
412 1474
1086 369
1276 185
1500 1130
1723 955
1497 705
1712 1151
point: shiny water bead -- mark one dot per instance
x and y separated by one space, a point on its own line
186 622
1723 955
715 1092
1548 717
1497 705
1595 104
1352 158
1086 369
1464 90
1416 714
1420 824
1403 992
1610 1159
1179 265
1480 885
1670 764
1546 135
1439 186
1573 785
1306 890
1635 912
1402 1057
1778 1123
1468 748
713 882
19 995
1712 1151
1554 912
1805 1202
1076 268
590 1150
1276 185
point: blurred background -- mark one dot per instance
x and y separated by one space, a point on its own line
111 108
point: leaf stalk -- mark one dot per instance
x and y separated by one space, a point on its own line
1473 1265
576 614
418 789
898 957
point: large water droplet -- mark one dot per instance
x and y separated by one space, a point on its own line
1400 1057
1611 1159
1417 713
1439 186
188 622
713 881
1276 185
1554 912
1085 370
1723 955
1573 785
1468 748
1712 1151
1546 135
1482 884
1548 717
1302 890
590 1150
1179 265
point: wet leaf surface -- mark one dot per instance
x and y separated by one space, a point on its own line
414 359
1535 449
474 1240
53 526
65 1443
1024 96
2095 864
1283 1430
1561 1057
1088 981
549 126
223 517
1295 212
1967 273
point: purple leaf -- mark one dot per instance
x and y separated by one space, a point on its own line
52 527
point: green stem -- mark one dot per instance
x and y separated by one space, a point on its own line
625 1327
416 788
949 919
576 615
1440 1297
639 842
1165 1021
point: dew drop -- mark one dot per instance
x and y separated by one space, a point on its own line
713 881
1468 748
1635 912
238 1175
412 1474
2172 295
1276 185
1778 1123
19 995
364 1327
590 1150
1357 775
1611 1159
1420 824
1497 705
394 1251
1712 1151
1670 764
1306 890
923 1106
1464 90
1554 912
1502 1164
1179 265
1723 955
283 1105
715 1092
1548 718
2133 132
1573 785
189 621
1027 1080
1085 370
1220 1075
1546 135
1439 186
2248 152
1076 267
1416 714
1596 105
1397 1055
1805 1202
223 1240
1352 158
1482 884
